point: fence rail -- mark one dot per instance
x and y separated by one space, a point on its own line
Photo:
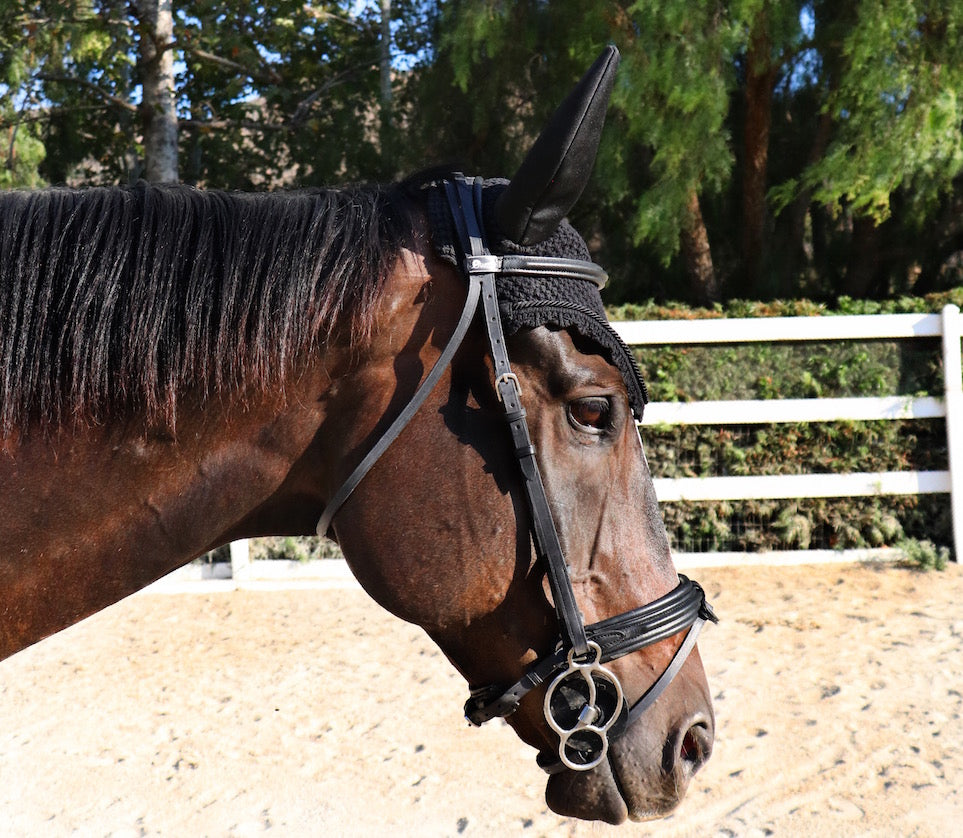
947 325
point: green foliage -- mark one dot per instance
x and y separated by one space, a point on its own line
924 554
810 523
267 93
673 99
792 370
810 369
498 70
830 447
68 74
20 157
278 92
298 549
898 118
903 304
862 153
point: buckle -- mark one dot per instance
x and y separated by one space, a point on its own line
505 378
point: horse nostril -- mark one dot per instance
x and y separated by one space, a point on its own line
695 747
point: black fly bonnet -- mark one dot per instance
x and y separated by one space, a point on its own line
547 296
526 267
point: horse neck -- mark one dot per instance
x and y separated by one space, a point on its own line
94 513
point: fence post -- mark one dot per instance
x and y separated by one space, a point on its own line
240 559
952 376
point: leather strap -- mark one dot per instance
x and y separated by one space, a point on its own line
652 693
543 266
466 196
659 620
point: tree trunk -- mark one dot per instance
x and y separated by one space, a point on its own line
861 274
703 283
385 53
795 257
761 77
157 72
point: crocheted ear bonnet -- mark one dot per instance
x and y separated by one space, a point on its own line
554 301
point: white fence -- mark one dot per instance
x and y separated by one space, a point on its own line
946 325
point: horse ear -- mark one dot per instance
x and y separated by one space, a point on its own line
557 167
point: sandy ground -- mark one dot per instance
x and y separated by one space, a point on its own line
837 691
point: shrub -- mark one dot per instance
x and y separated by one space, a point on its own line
924 555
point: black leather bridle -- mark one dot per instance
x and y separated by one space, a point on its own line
584 703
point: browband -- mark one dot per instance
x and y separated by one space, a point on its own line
539 267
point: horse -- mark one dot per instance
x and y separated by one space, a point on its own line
422 371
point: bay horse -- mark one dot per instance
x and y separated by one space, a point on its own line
426 366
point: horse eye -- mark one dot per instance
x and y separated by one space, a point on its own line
591 414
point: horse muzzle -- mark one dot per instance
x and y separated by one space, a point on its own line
629 784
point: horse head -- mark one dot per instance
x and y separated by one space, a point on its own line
515 519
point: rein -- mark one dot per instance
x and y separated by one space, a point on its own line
584 703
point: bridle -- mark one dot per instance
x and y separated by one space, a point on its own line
584 702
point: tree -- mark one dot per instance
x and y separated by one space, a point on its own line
254 92
666 142
41 44
754 148
674 102
279 92
895 107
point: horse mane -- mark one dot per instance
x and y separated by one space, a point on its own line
127 296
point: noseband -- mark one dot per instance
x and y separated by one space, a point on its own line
584 702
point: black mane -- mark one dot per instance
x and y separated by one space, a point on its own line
127 296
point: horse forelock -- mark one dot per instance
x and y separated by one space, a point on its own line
127 296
